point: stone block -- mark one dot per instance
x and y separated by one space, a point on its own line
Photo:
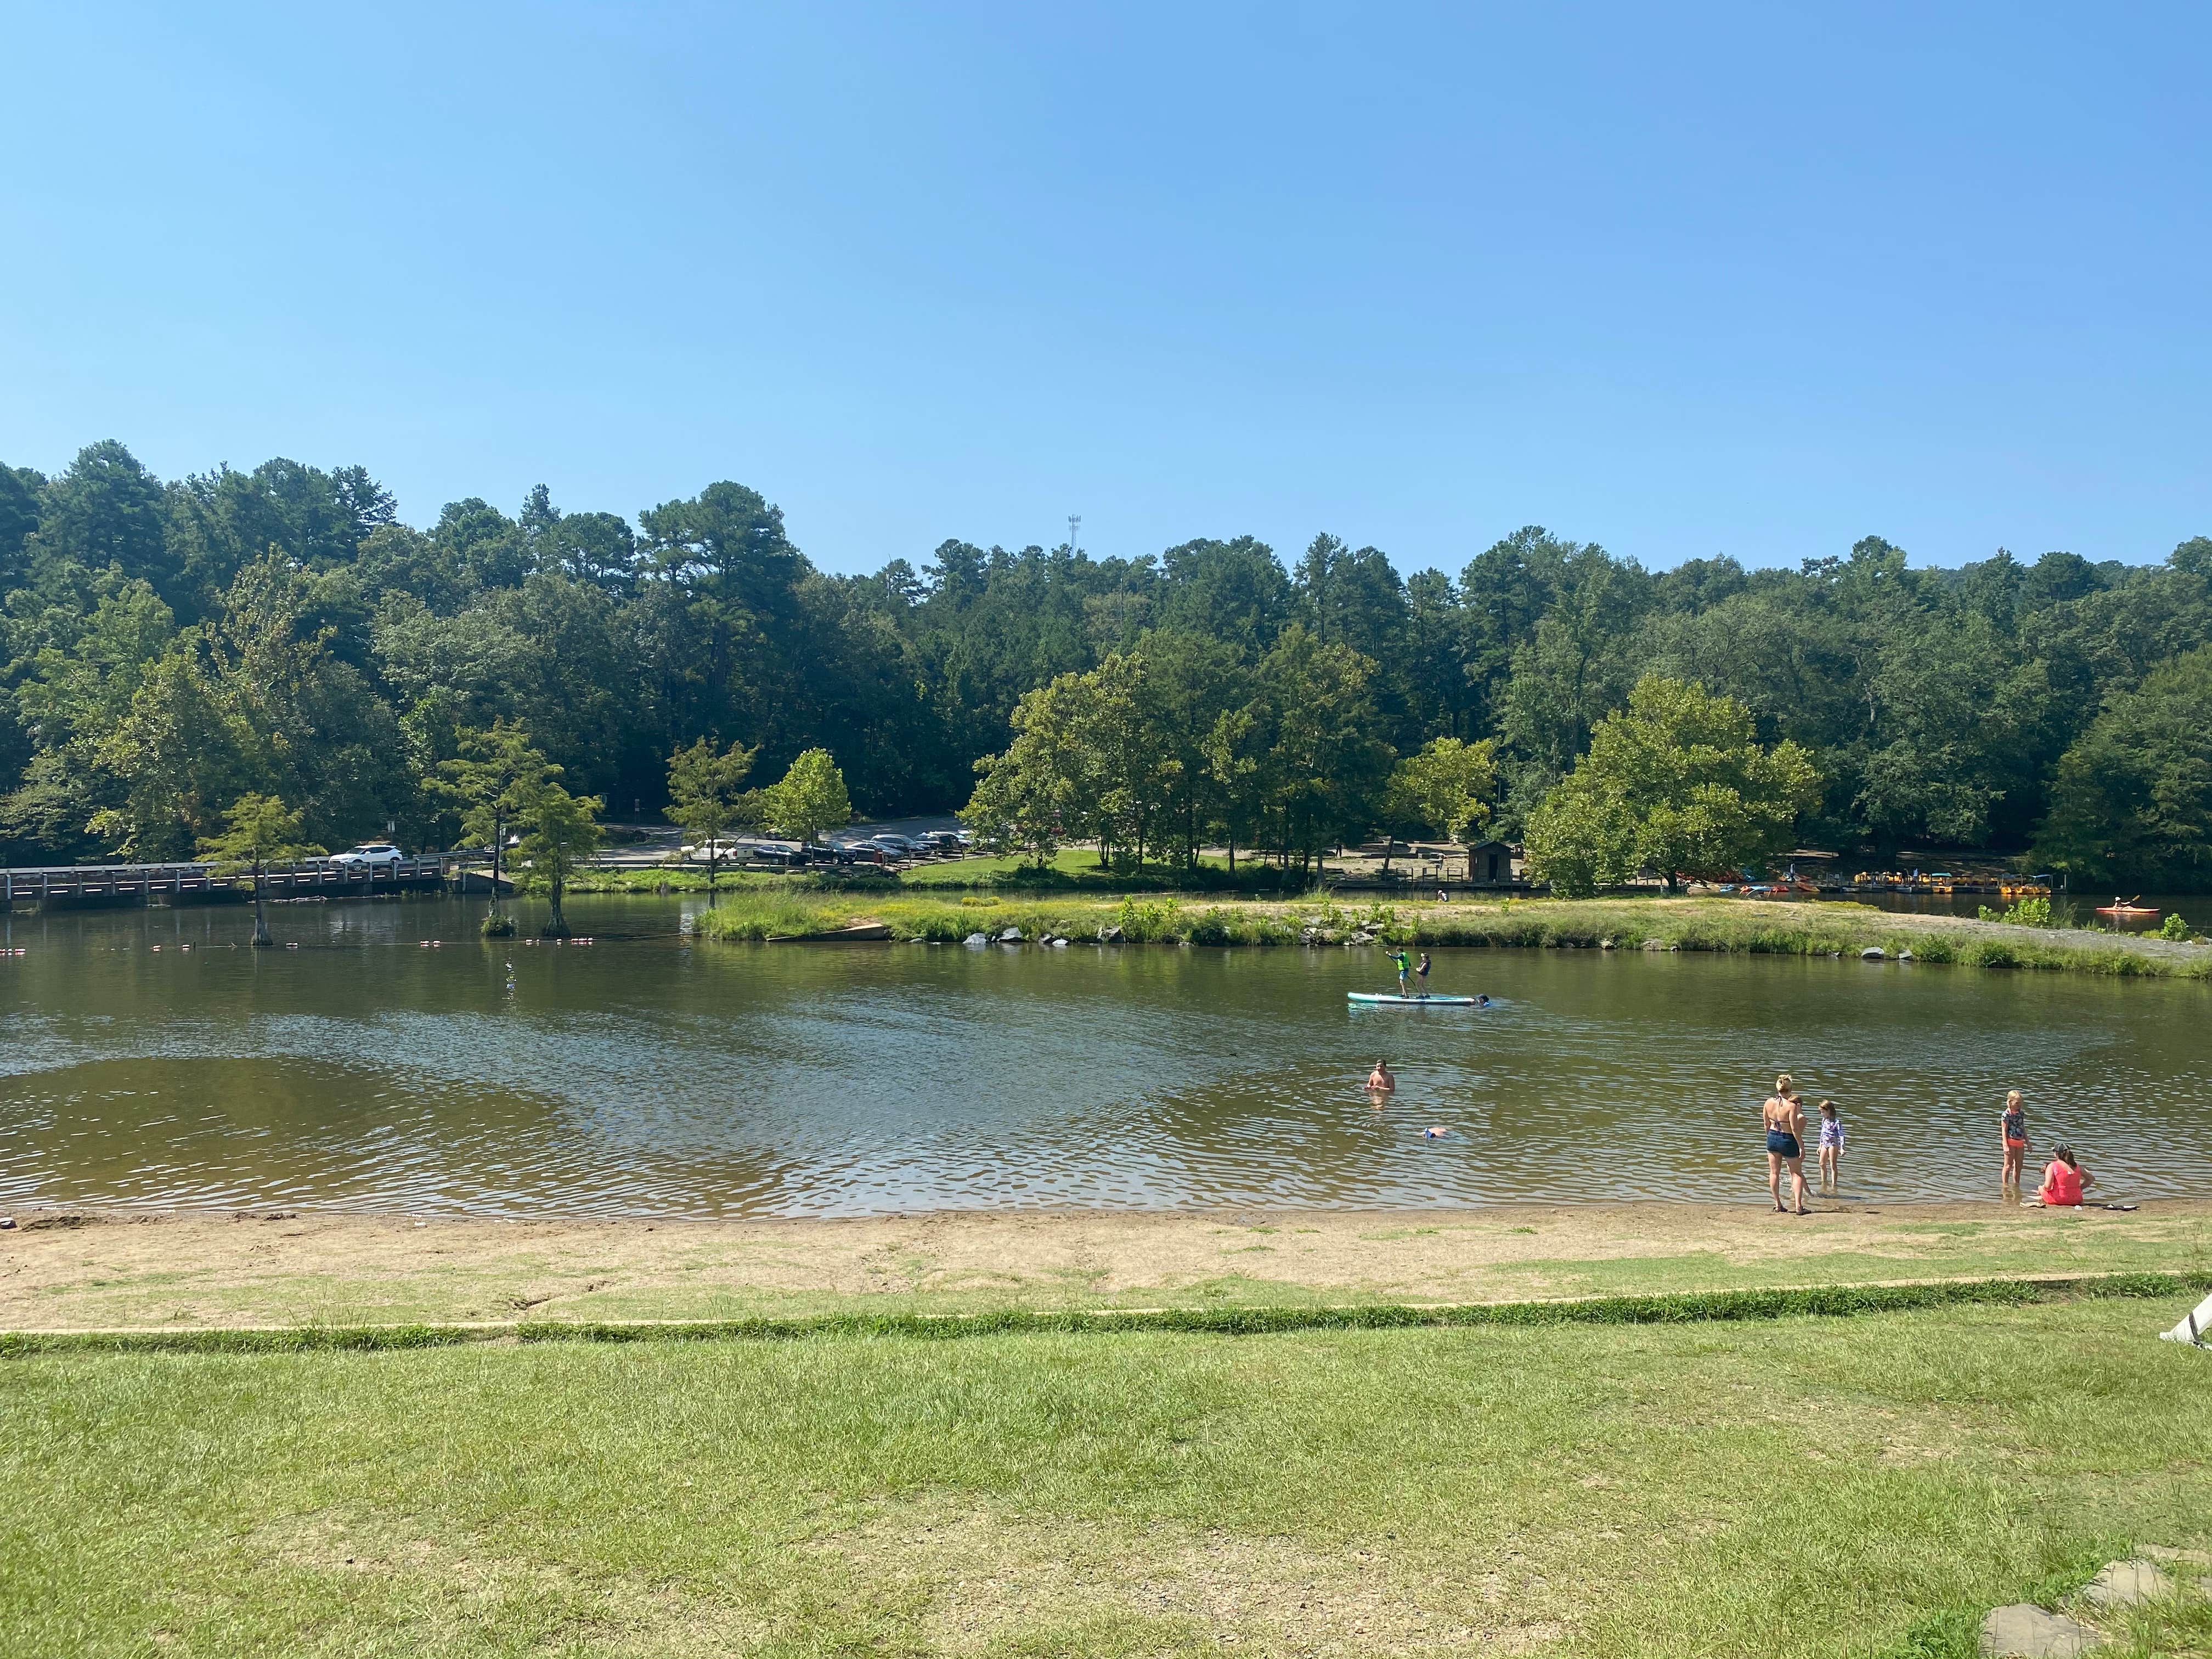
2024 1632
2128 1584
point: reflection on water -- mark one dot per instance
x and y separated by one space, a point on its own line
2067 909
642 1075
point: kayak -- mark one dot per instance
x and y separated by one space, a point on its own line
1409 1002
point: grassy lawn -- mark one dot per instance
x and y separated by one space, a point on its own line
1800 1486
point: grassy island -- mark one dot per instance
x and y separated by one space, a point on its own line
766 912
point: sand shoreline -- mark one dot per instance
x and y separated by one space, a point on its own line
98 1267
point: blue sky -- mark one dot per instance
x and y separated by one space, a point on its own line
1756 281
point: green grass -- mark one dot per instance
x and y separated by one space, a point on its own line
1726 926
1076 869
1234 1319
1794 1487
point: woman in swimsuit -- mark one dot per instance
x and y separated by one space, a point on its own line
2013 1122
1784 1115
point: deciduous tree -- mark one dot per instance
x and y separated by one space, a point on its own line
1676 784
258 830
706 793
810 798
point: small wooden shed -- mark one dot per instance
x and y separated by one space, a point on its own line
1491 864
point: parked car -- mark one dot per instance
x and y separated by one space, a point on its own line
899 845
374 854
721 851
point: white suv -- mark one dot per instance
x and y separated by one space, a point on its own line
370 854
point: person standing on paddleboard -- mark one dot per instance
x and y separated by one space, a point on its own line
1421 972
1404 972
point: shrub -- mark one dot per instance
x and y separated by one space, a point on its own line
1148 920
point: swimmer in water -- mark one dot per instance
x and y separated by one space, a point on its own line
1380 1081
1482 1001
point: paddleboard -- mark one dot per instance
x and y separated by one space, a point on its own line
1410 1002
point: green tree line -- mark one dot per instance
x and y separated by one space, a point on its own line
172 647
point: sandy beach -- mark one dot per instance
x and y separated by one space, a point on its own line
85 1269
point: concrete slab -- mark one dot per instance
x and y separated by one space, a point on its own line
2024 1632
2168 1553
2127 1584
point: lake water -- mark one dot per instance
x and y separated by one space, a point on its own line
646 1075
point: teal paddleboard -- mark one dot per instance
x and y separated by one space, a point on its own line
1409 1002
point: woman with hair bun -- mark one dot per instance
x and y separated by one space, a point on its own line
1784 1117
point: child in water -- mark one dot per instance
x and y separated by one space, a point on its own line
2014 1124
1832 1147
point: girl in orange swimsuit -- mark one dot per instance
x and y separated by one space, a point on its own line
2014 1124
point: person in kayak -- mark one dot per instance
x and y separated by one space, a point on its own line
1404 972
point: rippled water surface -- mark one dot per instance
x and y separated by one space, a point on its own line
645 1075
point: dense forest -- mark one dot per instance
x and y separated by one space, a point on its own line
170 646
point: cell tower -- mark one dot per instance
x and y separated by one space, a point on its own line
1074 524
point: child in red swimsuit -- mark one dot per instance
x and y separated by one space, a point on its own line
2064 1180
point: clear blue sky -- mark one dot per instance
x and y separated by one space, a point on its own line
1757 281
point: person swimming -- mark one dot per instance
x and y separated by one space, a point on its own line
1482 1000
1380 1080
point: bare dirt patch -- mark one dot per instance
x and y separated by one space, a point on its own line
450 1585
186 1271
985 1580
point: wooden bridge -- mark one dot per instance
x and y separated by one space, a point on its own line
89 885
